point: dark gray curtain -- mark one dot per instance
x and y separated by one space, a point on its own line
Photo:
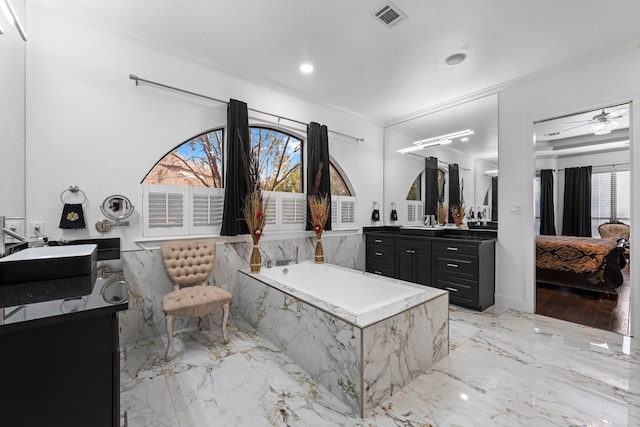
235 184
318 157
431 186
454 189
576 218
547 211
494 198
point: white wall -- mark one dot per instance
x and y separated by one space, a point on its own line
12 98
89 125
602 82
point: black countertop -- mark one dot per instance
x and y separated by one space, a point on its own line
444 233
27 305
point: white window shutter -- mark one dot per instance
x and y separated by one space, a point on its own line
270 201
206 210
343 212
165 210
293 210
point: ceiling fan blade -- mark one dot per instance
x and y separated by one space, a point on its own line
577 121
575 127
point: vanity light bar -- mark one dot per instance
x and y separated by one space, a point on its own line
10 14
421 146
445 137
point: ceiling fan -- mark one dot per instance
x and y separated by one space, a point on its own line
600 124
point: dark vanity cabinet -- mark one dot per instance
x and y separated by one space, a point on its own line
59 347
466 270
462 264
381 255
413 261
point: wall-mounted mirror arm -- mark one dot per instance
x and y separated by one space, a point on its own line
116 208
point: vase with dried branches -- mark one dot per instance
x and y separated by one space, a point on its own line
319 209
457 212
254 212
442 213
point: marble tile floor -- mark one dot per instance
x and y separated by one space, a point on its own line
504 369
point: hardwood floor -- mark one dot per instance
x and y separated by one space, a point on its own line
588 308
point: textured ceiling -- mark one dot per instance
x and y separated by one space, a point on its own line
364 67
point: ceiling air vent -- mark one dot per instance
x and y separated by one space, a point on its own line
389 14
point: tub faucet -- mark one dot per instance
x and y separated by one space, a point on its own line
3 231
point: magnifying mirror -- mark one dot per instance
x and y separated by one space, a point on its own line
115 208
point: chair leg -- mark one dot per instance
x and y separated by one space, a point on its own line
225 316
168 355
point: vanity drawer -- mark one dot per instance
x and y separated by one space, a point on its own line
381 269
457 265
380 241
461 291
454 248
380 254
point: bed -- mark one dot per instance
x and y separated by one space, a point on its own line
580 262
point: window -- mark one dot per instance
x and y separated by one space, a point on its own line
610 198
415 191
195 163
279 159
183 194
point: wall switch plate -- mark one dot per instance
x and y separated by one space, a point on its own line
36 227
515 208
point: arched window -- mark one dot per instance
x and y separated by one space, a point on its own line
183 193
194 163
279 159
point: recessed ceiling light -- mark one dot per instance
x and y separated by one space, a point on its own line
306 68
456 58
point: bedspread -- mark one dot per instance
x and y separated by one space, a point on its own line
576 254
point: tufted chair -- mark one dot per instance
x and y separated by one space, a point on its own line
616 231
189 265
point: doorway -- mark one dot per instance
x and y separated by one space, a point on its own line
596 145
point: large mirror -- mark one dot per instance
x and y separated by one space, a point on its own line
12 118
583 193
475 154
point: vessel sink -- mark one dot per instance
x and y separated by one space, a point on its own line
47 263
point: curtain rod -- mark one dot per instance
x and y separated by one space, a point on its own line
598 166
140 79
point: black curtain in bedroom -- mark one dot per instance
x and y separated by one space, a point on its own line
576 218
547 215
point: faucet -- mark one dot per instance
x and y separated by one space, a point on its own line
288 261
11 233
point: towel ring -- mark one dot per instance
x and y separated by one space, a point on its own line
73 189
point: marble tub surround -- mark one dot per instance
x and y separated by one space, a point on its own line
361 357
499 372
148 282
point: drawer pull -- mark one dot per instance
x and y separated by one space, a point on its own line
452 265
377 253
452 289
451 248
377 272
378 240
411 251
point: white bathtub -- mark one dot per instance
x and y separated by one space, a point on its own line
351 290
360 335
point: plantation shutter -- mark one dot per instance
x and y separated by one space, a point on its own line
165 210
